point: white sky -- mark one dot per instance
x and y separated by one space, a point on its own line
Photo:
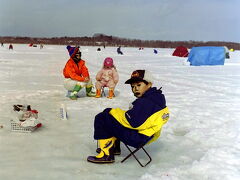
204 20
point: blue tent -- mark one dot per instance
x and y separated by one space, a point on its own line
207 55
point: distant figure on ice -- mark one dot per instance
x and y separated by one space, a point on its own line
41 46
76 74
119 50
107 77
155 51
10 47
2 44
142 123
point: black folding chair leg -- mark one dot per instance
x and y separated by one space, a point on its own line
132 153
103 92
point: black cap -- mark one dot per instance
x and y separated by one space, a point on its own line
139 75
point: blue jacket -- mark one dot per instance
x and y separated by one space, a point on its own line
152 101
147 115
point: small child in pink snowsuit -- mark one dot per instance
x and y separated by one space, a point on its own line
107 77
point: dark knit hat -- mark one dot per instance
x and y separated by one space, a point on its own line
72 50
140 75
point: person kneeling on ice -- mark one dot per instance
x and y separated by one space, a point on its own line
76 74
142 123
107 77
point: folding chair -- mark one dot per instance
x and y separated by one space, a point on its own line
103 92
132 153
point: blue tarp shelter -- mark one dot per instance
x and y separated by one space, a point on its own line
207 55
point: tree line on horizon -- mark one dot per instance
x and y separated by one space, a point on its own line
105 40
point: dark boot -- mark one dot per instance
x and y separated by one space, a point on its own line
106 154
117 147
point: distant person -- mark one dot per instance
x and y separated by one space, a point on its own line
119 50
155 51
107 77
140 124
76 74
2 44
10 47
41 46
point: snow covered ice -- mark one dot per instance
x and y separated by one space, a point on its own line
201 140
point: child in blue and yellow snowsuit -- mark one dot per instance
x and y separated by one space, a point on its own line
134 127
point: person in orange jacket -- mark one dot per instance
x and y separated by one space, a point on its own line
76 74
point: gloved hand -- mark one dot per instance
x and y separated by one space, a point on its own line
86 79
